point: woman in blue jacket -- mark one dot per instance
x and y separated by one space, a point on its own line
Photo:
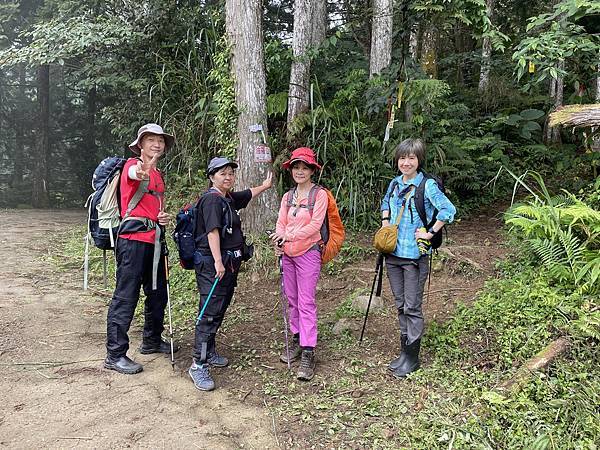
408 266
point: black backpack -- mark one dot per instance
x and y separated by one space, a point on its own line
185 229
107 173
104 208
419 199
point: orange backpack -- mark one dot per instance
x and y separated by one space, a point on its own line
332 230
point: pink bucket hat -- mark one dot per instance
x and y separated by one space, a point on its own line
303 154
153 129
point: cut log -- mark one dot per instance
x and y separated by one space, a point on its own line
540 361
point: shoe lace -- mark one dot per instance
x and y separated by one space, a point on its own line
305 361
201 372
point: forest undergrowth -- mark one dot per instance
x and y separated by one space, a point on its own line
545 289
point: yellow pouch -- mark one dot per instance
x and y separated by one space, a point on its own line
386 237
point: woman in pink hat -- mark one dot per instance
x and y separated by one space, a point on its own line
301 215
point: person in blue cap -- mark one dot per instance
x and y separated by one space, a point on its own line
220 250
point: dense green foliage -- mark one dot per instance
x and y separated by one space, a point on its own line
115 65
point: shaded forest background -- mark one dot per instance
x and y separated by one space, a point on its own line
476 80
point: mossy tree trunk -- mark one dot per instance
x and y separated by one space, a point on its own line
245 33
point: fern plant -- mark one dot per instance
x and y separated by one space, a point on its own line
563 232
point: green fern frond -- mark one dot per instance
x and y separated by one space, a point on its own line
573 250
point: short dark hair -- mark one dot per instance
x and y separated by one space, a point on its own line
411 147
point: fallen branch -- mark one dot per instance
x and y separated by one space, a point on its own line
576 116
50 364
85 438
540 361
106 294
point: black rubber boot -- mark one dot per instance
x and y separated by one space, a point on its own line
122 365
294 349
410 362
400 359
157 347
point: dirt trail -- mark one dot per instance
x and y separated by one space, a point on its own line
46 319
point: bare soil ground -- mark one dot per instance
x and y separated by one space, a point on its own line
54 391
56 394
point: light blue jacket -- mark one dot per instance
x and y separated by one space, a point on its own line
406 246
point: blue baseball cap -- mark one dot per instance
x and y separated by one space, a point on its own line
217 163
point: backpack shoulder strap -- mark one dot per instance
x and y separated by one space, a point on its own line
139 193
290 197
226 207
419 199
312 197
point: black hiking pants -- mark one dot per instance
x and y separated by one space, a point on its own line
207 327
407 280
134 270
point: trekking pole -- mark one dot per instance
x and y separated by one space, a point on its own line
207 300
169 309
86 262
284 306
378 275
104 268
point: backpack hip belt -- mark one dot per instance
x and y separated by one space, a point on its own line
150 225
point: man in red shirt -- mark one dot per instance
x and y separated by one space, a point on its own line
138 252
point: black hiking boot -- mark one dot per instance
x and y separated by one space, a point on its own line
161 346
216 360
400 359
122 365
307 365
410 362
295 350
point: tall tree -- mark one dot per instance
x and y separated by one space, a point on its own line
486 51
40 197
552 134
320 21
245 33
298 94
19 124
381 36
596 139
429 51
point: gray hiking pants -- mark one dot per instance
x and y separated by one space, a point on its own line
407 280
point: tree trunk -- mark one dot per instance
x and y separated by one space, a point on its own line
40 198
413 43
552 135
429 52
298 95
17 176
413 51
486 52
381 36
320 22
596 139
89 140
245 34
459 50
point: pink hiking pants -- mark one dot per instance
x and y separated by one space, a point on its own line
300 277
